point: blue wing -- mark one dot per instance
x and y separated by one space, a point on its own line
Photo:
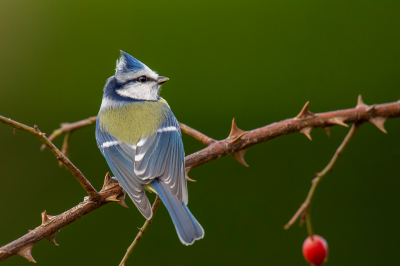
162 155
120 158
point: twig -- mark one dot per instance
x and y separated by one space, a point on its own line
141 232
59 155
65 146
70 127
196 134
308 222
304 208
236 143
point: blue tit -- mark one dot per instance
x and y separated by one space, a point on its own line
140 138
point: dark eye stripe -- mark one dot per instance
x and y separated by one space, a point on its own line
150 79
135 80
143 79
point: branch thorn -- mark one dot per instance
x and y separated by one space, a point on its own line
186 175
109 182
360 102
304 113
46 218
112 198
371 108
338 121
239 156
235 133
120 199
14 130
378 122
306 131
52 239
190 180
27 253
328 131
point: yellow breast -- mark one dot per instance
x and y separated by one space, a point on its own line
132 121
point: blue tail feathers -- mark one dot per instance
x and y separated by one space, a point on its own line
187 227
198 230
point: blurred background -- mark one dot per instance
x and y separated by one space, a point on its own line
257 61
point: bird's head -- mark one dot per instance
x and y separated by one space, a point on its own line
135 80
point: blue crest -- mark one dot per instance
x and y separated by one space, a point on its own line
128 63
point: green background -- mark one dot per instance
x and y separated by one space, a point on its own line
257 61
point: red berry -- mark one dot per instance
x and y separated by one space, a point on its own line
315 250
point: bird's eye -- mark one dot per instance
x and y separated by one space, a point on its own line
142 79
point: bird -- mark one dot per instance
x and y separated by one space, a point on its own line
141 140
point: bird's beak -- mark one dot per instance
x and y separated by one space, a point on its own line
162 80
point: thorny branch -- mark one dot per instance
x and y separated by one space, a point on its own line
304 210
236 144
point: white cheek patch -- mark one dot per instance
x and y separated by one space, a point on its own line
139 91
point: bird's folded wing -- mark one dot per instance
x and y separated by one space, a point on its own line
120 158
162 156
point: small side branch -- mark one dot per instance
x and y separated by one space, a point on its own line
59 155
303 211
70 127
141 232
65 146
196 134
